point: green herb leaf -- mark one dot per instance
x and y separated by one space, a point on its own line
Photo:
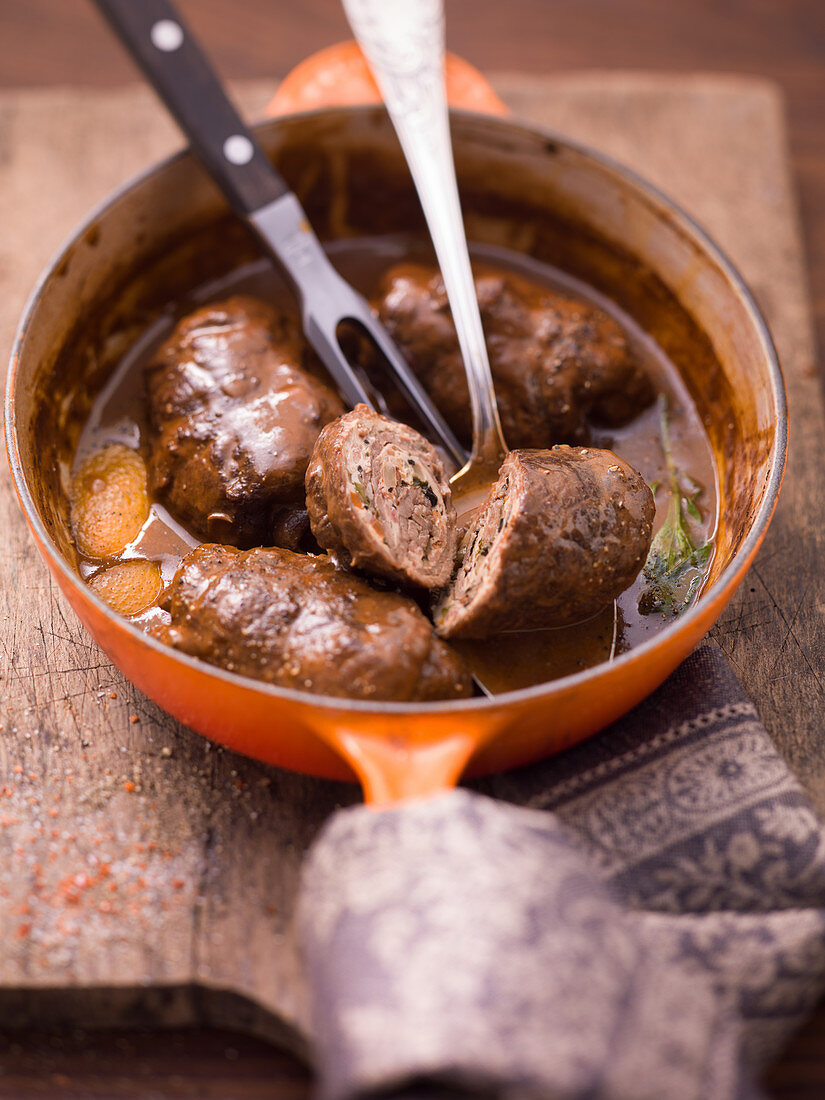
426 489
676 564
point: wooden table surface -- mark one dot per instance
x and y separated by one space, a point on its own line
62 42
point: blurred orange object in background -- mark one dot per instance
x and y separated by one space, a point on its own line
339 76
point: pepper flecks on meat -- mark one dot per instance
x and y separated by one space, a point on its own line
379 498
556 361
298 621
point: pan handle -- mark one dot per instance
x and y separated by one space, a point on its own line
392 767
166 51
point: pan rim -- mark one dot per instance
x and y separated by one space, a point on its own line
727 581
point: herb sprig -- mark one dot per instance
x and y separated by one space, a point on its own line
676 563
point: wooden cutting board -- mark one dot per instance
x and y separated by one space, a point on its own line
149 876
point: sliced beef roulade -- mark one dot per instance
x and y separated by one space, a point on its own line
561 534
378 497
299 621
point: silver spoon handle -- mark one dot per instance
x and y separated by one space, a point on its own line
403 42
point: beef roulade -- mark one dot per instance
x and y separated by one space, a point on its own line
561 534
558 362
378 497
234 418
299 621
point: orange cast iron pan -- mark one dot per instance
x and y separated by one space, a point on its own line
522 187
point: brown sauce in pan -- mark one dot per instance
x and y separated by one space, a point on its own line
505 662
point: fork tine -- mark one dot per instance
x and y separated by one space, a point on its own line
408 383
327 300
329 351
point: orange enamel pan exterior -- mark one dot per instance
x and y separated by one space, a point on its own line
338 76
522 187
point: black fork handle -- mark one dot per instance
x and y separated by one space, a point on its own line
164 48
169 56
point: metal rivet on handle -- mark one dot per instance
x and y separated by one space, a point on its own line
238 149
166 35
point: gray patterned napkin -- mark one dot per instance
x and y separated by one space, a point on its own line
649 923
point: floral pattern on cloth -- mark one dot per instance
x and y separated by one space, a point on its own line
648 921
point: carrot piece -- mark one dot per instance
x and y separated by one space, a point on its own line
109 501
128 587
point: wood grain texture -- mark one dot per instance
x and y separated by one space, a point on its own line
136 867
123 827
143 1065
